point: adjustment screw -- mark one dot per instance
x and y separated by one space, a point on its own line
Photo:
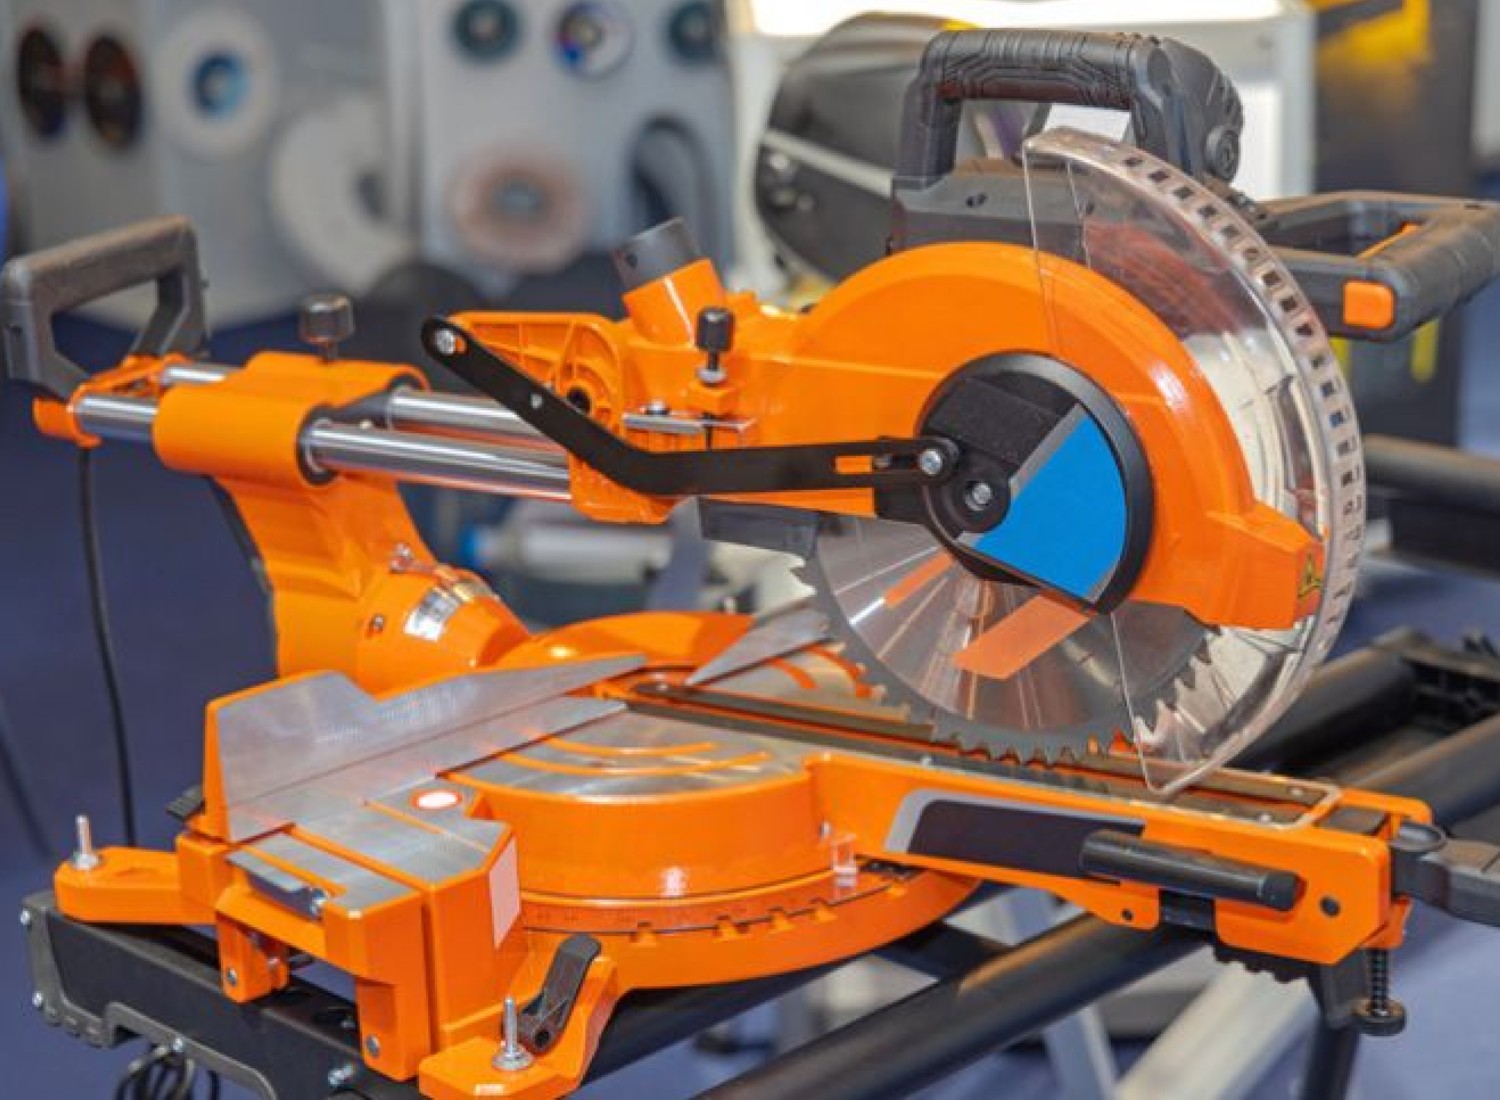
932 462
714 336
444 341
979 495
85 856
513 1056
325 321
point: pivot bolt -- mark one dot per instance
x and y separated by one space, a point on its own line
932 462
979 495
513 1056
85 856
444 341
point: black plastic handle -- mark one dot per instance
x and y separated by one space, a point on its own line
34 289
1378 265
1182 108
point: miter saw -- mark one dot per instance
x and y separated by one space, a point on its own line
1076 482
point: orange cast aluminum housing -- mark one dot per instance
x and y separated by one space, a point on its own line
863 363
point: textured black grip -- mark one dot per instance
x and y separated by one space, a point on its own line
1431 254
35 288
1182 108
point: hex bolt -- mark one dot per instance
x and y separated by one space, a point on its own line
932 462
513 1056
85 856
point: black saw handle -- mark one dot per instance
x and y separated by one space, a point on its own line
1377 265
1182 108
34 289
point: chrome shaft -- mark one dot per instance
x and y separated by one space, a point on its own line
492 450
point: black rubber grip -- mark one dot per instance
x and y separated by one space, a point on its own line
1431 254
1125 857
34 289
1182 108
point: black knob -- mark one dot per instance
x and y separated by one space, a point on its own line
325 321
715 330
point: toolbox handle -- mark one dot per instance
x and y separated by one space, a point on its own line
37 287
1377 265
1182 108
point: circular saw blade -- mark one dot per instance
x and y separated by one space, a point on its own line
1008 669
912 616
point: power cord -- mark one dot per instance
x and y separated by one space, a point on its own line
104 640
10 774
160 1074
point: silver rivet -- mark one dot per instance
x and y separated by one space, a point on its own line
444 342
536 401
372 1046
178 1045
232 976
932 462
979 495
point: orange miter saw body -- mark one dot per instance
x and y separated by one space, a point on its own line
1080 514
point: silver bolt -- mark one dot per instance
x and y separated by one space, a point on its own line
372 1046
656 407
26 918
319 901
178 1045
38 1002
444 341
932 462
339 1076
85 857
712 374
536 401
513 1056
979 495
232 976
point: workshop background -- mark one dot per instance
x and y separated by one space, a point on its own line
441 155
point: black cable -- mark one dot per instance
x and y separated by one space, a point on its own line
104 639
10 774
